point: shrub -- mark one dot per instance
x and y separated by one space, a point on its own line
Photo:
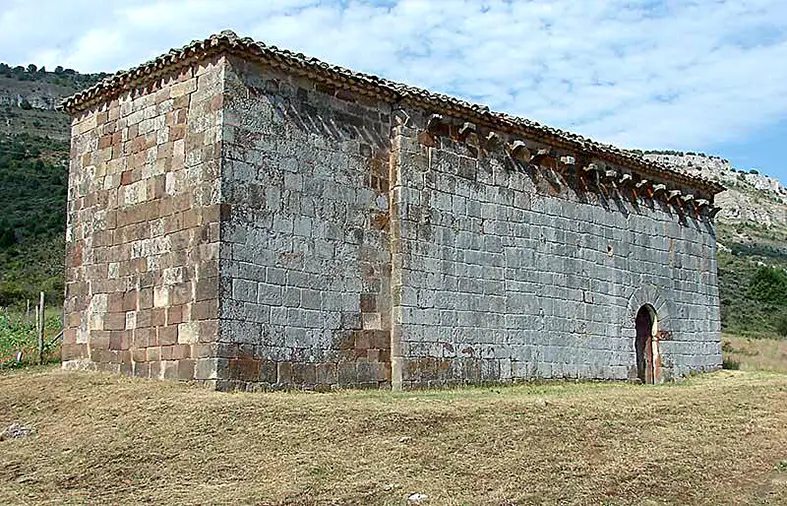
769 285
730 364
781 326
11 292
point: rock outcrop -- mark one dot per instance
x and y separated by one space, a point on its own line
750 196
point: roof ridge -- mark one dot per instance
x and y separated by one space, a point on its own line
228 39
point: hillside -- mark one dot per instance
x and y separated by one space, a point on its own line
33 179
33 182
29 97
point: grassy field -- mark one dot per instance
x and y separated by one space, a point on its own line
756 354
99 439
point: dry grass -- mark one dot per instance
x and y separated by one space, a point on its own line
757 354
109 440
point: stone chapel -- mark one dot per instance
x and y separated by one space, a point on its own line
252 218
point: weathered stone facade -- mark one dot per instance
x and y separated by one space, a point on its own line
142 239
247 217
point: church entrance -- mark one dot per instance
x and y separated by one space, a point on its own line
646 328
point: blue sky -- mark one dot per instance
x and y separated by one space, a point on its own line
695 75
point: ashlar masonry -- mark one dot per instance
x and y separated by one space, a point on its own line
252 218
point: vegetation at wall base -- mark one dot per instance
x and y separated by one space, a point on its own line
19 338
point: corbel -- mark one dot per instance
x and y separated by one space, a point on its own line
568 160
589 172
643 187
520 151
688 202
542 155
493 140
434 123
567 163
701 203
625 180
590 168
466 131
612 176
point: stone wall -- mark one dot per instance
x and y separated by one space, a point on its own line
250 228
514 272
143 224
304 258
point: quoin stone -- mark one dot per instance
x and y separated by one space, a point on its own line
252 218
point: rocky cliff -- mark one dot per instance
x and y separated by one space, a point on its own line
29 97
754 207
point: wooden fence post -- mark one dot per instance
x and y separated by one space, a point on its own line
41 329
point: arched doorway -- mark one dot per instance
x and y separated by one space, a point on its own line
646 329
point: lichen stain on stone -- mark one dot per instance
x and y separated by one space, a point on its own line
380 221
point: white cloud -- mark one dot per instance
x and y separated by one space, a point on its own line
670 74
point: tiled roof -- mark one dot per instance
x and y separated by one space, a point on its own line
371 85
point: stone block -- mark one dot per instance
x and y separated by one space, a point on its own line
367 372
284 373
304 374
244 369
189 332
206 368
268 372
141 370
326 374
169 369
347 373
167 335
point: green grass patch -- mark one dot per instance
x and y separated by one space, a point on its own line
753 294
19 339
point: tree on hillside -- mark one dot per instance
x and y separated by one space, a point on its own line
769 285
7 236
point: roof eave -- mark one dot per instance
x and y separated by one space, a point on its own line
228 42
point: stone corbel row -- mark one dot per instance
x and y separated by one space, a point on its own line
468 132
656 191
549 158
